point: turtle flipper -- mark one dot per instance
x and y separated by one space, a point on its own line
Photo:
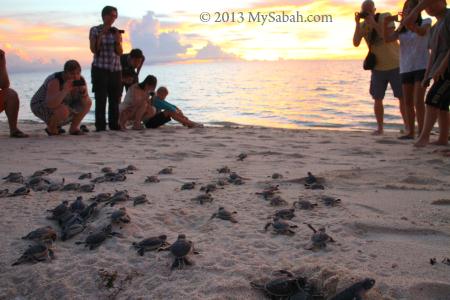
141 251
177 263
257 286
21 260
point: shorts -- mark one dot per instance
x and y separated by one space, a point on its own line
379 81
412 77
44 113
439 94
2 102
158 120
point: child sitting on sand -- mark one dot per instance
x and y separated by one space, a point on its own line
166 111
135 107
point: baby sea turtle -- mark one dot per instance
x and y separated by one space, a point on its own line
211 187
330 201
188 186
119 196
55 186
181 248
22 191
77 205
268 192
96 239
102 197
132 168
124 171
277 201
224 214
277 176
319 239
68 219
71 187
356 290
141 199
221 182
235 179
72 230
42 234
224 170
120 216
107 170
35 253
4 193
117 178
59 210
100 179
85 176
36 182
152 179
87 188
203 198
89 211
151 244
280 226
314 186
166 171
304 204
310 179
15 177
242 156
285 286
285 214
49 171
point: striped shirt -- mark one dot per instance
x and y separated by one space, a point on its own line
106 57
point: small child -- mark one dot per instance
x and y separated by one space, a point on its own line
135 107
166 112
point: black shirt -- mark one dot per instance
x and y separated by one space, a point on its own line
128 70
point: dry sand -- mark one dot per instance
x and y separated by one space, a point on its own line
388 225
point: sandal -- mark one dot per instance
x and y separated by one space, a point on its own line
84 128
18 134
61 130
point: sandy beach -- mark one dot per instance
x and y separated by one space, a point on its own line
394 214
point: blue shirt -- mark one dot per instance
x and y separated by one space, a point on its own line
160 104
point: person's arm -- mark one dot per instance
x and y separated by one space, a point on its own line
420 30
370 20
442 68
140 66
358 35
389 34
55 96
4 78
118 43
411 18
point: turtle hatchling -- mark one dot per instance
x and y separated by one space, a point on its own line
100 179
330 201
35 253
304 204
14 177
280 226
211 187
124 171
59 210
277 201
141 199
277 176
77 205
152 179
22 191
71 187
120 196
42 234
120 216
203 198
87 188
181 248
89 211
356 290
151 244
224 214
224 170
310 179
55 186
242 156
118 178
72 230
96 239
102 197
285 214
314 186
85 176
166 171
319 239
132 168
49 171
188 186
4 193
269 192
107 170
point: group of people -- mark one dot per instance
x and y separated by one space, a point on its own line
408 57
63 97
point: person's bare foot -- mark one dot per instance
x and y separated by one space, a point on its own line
440 143
421 143
377 132
140 127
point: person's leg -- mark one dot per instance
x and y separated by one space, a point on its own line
393 76
443 128
181 119
114 98
11 106
419 96
141 110
378 86
99 82
59 116
77 118
431 114
379 115
408 99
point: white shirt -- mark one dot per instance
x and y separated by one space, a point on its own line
414 50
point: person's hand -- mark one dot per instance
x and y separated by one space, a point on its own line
68 86
118 37
425 82
2 58
440 72
357 17
370 20
390 19
410 19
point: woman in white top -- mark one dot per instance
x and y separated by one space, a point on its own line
414 55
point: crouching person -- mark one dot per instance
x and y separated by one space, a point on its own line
62 99
135 106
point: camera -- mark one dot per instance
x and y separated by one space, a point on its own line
363 14
114 30
78 83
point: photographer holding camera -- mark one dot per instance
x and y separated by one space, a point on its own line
382 60
106 45
62 99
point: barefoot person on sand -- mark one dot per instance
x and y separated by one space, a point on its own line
166 112
136 106
386 67
438 97
62 99
9 101
414 56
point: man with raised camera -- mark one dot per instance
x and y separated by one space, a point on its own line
382 59
106 45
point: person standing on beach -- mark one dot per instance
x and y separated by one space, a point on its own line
106 45
131 66
438 97
9 100
414 56
386 68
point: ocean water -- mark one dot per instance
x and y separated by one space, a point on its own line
287 94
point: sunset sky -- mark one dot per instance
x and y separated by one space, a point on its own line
41 34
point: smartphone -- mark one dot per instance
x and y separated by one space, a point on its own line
113 30
78 83
363 14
